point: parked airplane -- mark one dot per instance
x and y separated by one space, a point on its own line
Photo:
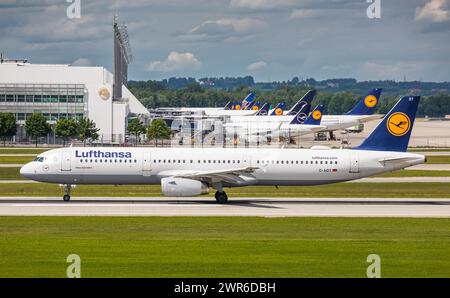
306 99
278 110
362 112
297 127
230 108
191 172
264 110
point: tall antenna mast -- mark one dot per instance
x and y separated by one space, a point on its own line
122 57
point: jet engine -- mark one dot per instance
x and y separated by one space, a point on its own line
181 187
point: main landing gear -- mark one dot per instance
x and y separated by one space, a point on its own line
66 196
221 197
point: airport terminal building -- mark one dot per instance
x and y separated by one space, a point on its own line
60 91
65 91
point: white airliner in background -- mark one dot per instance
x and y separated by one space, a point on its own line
296 128
191 172
361 113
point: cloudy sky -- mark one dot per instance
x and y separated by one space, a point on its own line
269 39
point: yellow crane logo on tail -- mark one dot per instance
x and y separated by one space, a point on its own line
398 124
370 101
317 115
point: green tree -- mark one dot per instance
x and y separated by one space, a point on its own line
136 128
87 130
158 129
36 126
7 126
65 129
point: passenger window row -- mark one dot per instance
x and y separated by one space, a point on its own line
306 162
213 161
108 161
209 161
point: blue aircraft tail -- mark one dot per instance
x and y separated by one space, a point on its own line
306 99
237 106
278 111
368 104
301 115
248 99
393 133
315 117
264 111
254 105
229 105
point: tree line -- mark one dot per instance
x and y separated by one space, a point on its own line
153 95
36 126
84 129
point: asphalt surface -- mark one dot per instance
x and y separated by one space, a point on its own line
264 207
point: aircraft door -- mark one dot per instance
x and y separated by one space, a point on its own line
354 162
146 164
66 162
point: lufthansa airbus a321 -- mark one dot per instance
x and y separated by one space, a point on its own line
192 172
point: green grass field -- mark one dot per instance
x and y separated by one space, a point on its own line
10 174
23 150
16 159
340 190
438 159
427 149
223 247
13 174
416 173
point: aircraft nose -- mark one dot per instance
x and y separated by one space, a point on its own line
27 170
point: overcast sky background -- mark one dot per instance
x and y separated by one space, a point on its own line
269 39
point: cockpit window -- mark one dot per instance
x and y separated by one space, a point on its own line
39 159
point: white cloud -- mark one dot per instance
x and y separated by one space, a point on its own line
226 28
262 4
257 66
82 62
303 13
436 11
176 61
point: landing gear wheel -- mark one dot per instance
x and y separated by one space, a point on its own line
221 197
67 189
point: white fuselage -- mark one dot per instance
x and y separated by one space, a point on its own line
212 112
331 122
271 166
264 128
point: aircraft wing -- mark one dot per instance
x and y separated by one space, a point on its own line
368 118
232 176
317 128
303 129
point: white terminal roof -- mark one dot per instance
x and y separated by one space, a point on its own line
93 77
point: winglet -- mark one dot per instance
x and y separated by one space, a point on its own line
393 133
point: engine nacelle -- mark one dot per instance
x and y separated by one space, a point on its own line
181 187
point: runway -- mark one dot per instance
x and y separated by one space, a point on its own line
263 207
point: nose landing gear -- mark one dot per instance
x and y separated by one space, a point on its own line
67 188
